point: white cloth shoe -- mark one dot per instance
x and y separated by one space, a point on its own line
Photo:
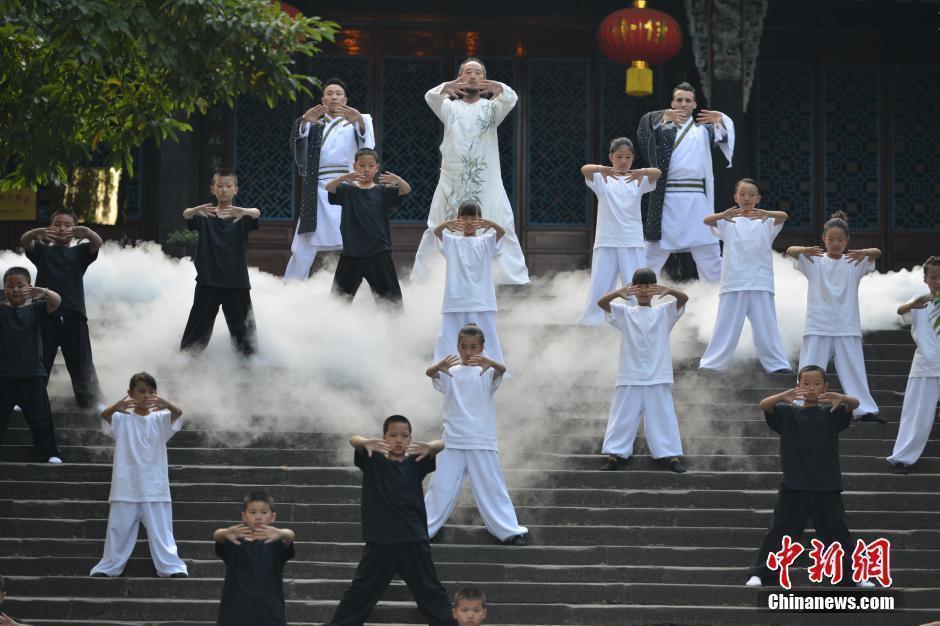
54 460
754 581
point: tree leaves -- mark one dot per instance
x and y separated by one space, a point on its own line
84 76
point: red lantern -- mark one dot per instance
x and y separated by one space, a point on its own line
639 37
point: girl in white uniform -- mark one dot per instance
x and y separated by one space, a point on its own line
468 383
833 329
619 248
923 383
469 244
140 424
746 288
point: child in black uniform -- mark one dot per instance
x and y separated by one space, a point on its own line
22 375
221 268
61 267
812 479
394 526
254 553
367 239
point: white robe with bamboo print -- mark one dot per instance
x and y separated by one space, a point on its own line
470 171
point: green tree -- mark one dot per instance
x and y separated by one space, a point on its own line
84 77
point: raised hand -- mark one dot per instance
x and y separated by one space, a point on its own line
205 210
733 212
125 405
635 175
675 116
481 361
418 450
238 533
314 115
37 293
790 395
629 290
483 223
755 214
456 88
833 398
856 256
388 178
446 363
353 116
376 445
656 290
811 251
708 117
491 87
922 302
607 172
156 402
268 534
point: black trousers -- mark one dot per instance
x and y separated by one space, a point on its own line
30 394
70 332
381 561
378 270
236 306
791 510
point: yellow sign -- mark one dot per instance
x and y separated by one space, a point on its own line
18 206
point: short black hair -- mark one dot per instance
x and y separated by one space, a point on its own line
749 181
395 419
644 276
683 86
931 261
64 211
472 330
142 377
811 368
366 152
224 171
620 142
16 270
471 594
258 496
469 208
336 81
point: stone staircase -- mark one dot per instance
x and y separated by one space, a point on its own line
641 546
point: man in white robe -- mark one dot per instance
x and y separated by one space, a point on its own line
339 130
471 108
680 146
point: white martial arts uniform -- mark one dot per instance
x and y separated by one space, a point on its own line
618 240
469 291
470 172
140 492
923 388
644 381
690 198
746 289
337 154
833 329
470 450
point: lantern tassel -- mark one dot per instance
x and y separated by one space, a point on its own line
639 79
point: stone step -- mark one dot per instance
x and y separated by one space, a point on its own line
142 567
584 535
573 557
468 514
267 457
739 611
677 497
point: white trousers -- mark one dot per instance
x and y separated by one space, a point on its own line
654 404
606 265
124 521
850 366
707 259
486 483
758 307
917 416
451 323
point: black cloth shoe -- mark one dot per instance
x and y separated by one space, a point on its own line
179 575
615 463
901 468
785 370
517 540
873 418
675 465
100 575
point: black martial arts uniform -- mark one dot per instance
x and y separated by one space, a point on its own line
812 482
253 592
62 269
367 241
221 280
395 529
22 375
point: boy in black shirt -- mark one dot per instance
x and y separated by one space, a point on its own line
61 267
812 479
394 526
221 268
22 375
254 553
364 225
